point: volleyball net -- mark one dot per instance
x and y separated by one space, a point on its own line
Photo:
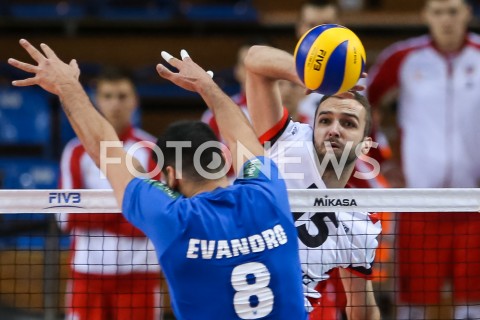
35 263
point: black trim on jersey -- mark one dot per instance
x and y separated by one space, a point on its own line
279 133
362 270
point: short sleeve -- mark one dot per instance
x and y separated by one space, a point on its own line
263 172
153 208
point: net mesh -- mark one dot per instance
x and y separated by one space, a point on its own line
429 254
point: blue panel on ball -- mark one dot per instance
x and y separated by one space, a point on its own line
335 70
304 48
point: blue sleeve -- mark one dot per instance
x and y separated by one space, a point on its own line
263 172
153 208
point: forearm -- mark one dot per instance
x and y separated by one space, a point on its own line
271 63
264 66
91 128
233 125
362 313
361 304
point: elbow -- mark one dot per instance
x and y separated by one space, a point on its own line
253 57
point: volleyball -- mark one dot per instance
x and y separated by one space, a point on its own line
329 58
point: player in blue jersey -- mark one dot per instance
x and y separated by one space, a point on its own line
228 252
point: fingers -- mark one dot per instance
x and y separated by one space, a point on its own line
170 59
32 51
73 63
48 51
364 75
184 54
25 82
166 56
23 66
164 72
176 62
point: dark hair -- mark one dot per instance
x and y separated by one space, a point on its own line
363 101
197 133
113 74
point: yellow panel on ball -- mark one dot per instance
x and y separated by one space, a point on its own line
329 59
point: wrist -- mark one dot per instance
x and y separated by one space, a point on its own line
69 88
207 89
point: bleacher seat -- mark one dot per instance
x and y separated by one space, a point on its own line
151 86
134 10
27 231
28 173
220 11
46 9
25 118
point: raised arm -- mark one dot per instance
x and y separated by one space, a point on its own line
264 66
233 125
61 79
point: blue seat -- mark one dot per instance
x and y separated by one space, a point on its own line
28 173
151 86
26 121
46 9
25 117
233 11
27 231
135 10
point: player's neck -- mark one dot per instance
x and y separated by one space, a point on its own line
331 180
190 188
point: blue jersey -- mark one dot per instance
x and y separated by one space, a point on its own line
227 254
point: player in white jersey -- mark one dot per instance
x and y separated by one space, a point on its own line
108 254
327 240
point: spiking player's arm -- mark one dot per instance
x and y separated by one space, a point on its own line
61 79
361 302
264 66
234 126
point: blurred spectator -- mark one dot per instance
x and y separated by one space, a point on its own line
436 79
115 272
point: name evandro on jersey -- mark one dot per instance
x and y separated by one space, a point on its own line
219 249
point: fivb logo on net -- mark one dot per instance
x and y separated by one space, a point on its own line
289 167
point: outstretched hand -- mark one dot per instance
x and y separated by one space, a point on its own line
51 73
190 75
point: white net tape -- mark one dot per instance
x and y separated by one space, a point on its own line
321 200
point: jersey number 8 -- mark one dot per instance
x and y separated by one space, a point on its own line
253 298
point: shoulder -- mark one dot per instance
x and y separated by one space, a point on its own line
145 185
295 140
473 40
296 131
403 48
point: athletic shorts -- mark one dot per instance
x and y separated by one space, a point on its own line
116 297
438 248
